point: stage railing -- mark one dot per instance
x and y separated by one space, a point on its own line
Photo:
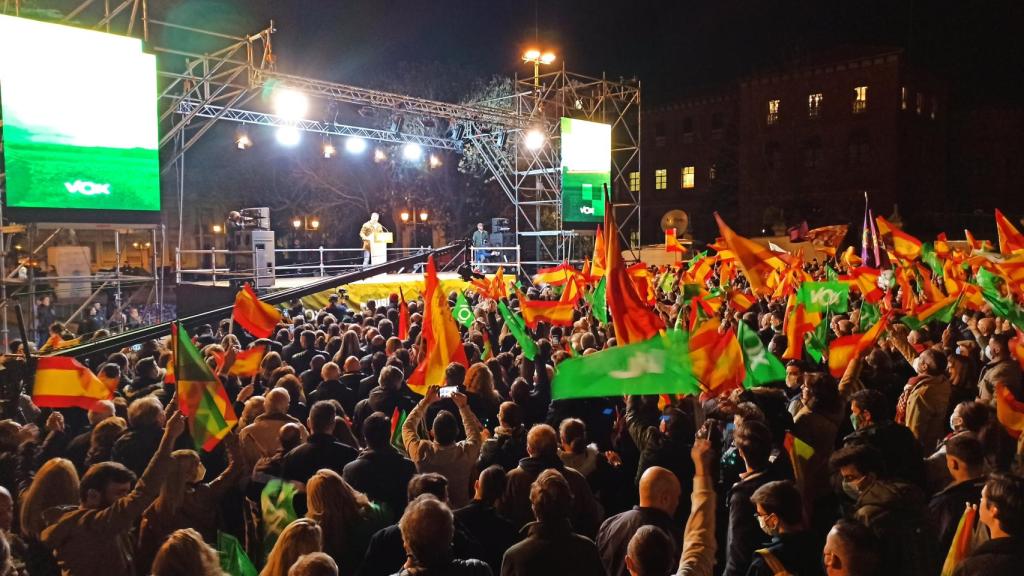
489 258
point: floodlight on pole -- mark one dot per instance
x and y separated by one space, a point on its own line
534 139
536 57
355 145
314 223
404 215
242 141
296 223
290 104
412 152
288 136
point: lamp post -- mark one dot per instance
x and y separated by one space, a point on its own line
536 57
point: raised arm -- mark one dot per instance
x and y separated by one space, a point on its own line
417 448
699 545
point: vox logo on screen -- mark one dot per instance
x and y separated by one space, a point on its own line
86 188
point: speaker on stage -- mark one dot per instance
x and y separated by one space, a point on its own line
500 232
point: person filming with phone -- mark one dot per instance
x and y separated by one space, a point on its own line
444 453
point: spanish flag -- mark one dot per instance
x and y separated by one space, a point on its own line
599 263
866 280
257 318
442 342
902 244
799 453
672 243
1010 240
973 244
201 396
740 301
844 349
642 282
754 260
403 316
634 321
961 547
63 382
717 358
941 310
555 276
1009 411
247 362
555 313
799 322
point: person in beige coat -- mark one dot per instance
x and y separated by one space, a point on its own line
927 399
453 460
261 439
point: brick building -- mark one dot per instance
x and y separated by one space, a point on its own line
803 142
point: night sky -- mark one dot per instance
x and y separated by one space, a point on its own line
672 46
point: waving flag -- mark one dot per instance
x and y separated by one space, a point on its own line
201 396
63 382
247 362
442 342
672 242
844 349
962 541
553 312
717 358
942 311
599 263
517 327
462 312
403 316
865 280
827 238
754 260
598 302
1009 411
1010 240
634 321
762 367
903 245
257 318
555 276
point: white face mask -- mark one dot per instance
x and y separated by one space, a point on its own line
916 365
988 351
763 523
965 318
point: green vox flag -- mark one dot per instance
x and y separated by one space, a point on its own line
818 342
660 365
1002 306
668 281
462 312
762 366
833 297
278 511
598 302
830 274
233 560
869 315
517 327
929 257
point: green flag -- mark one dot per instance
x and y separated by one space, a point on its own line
869 315
762 366
818 342
277 511
668 281
691 291
660 365
201 395
1002 306
233 560
598 302
517 327
830 274
929 257
462 311
833 297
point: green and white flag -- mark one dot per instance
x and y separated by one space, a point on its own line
660 365
869 315
821 297
598 301
462 311
762 366
517 327
277 511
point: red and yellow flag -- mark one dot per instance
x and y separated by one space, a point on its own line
717 358
442 342
799 322
866 280
553 312
754 260
642 282
63 382
599 262
961 546
403 316
1009 411
1010 239
672 243
634 321
973 244
844 349
247 362
201 396
901 244
258 318
741 301
555 276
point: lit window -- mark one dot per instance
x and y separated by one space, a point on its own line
686 177
712 172
773 112
814 105
660 179
919 108
860 99
634 181
903 98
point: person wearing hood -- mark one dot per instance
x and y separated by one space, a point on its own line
542 450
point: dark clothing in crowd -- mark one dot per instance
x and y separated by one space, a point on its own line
613 538
999 557
947 507
383 475
901 452
319 451
744 534
495 532
386 553
552 549
506 448
799 552
136 447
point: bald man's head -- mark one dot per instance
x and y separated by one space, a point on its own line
659 488
542 440
100 411
277 401
290 435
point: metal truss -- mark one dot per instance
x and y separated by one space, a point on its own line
198 90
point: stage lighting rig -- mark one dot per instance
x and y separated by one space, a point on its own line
412 152
355 145
534 139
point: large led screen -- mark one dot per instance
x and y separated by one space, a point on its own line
586 169
79 119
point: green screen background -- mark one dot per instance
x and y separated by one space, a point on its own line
586 169
78 106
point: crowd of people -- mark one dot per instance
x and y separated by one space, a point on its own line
336 467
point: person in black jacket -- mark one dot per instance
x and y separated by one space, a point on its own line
300 361
965 460
321 449
333 388
145 428
871 416
1002 511
744 535
380 471
659 498
428 529
480 517
666 444
793 549
508 445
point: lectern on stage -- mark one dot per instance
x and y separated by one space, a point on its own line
379 247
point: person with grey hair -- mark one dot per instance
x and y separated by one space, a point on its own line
260 439
145 427
314 564
428 528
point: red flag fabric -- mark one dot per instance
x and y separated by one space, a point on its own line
257 318
672 243
599 263
403 316
717 358
754 260
634 321
553 312
555 276
442 342
1010 239
63 382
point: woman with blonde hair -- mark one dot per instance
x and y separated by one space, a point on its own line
346 516
349 347
483 400
184 553
101 442
54 488
271 361
185 501
300 537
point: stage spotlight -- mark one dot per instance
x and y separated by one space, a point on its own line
534 140
412 151
547 58
531 55
379 155
435 161
328 150
290 104
355 145
288 136
242 141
